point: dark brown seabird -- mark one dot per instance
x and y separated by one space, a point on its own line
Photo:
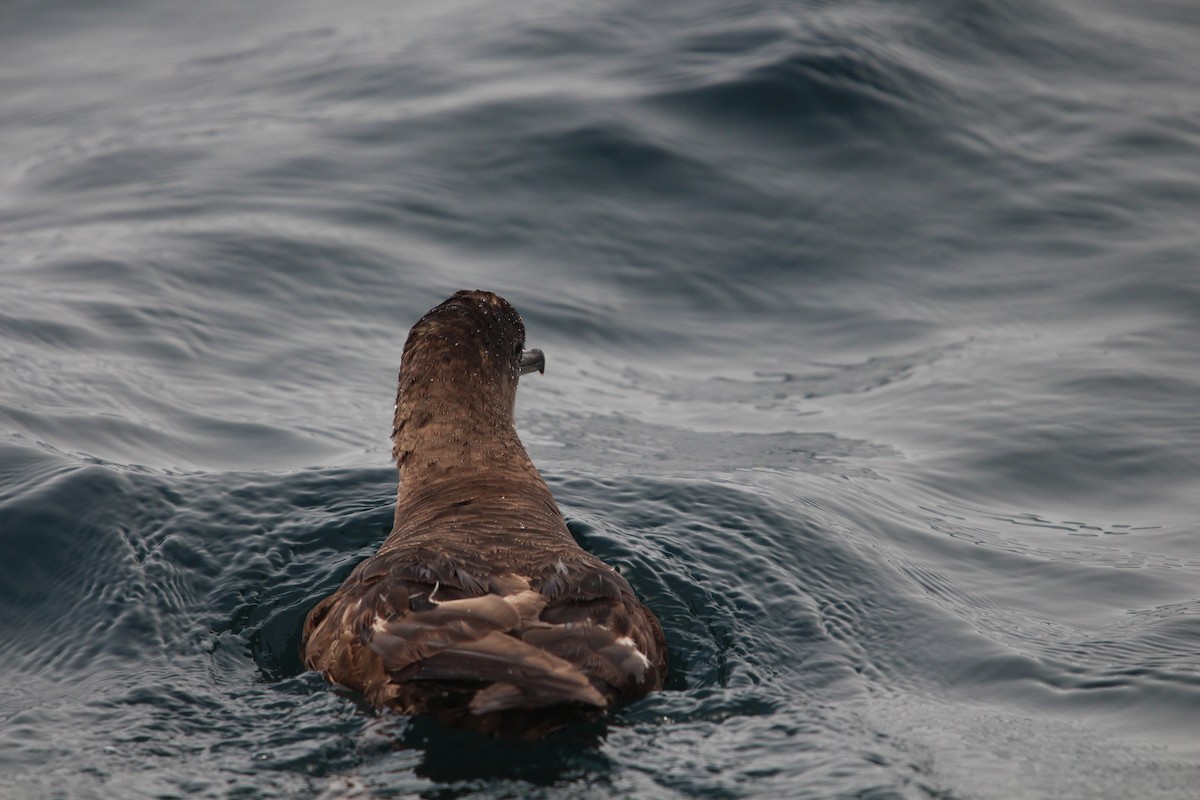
480 609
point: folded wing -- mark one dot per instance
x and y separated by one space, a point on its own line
436 636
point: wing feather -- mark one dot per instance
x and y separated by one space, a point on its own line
567 637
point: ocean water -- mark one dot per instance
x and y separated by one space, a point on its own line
873 343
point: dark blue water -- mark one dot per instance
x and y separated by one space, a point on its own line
873 340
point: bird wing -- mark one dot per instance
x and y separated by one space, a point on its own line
571 633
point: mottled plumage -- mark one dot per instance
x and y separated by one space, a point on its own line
480 609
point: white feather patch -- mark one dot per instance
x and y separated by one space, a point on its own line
626 641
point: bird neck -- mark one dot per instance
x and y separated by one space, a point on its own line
473 464
452 436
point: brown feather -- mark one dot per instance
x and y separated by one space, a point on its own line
479 608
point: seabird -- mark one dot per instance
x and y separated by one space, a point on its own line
479 609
